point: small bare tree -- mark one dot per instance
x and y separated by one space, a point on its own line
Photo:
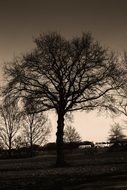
19 141
71 135
36 129
10 123
116 133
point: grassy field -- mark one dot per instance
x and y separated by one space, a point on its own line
86 170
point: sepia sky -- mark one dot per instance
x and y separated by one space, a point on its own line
22 20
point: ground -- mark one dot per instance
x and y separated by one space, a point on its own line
89 170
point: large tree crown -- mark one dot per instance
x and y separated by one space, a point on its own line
64 74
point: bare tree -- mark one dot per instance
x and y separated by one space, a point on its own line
71 135
64 75
10 124
19 141
36 129
116 133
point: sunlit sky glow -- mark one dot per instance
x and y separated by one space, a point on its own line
21 21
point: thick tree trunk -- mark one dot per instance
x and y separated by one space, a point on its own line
59 141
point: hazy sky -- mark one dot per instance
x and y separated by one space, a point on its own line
23 20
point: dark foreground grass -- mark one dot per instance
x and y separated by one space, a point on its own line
100 170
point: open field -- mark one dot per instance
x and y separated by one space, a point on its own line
85 170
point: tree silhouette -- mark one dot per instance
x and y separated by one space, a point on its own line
19 141
10 123
64 75
116 133
36 129
71 135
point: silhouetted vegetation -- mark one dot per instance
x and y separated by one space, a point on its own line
10 124
64 75
36 129
71 135
21 133
116 134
